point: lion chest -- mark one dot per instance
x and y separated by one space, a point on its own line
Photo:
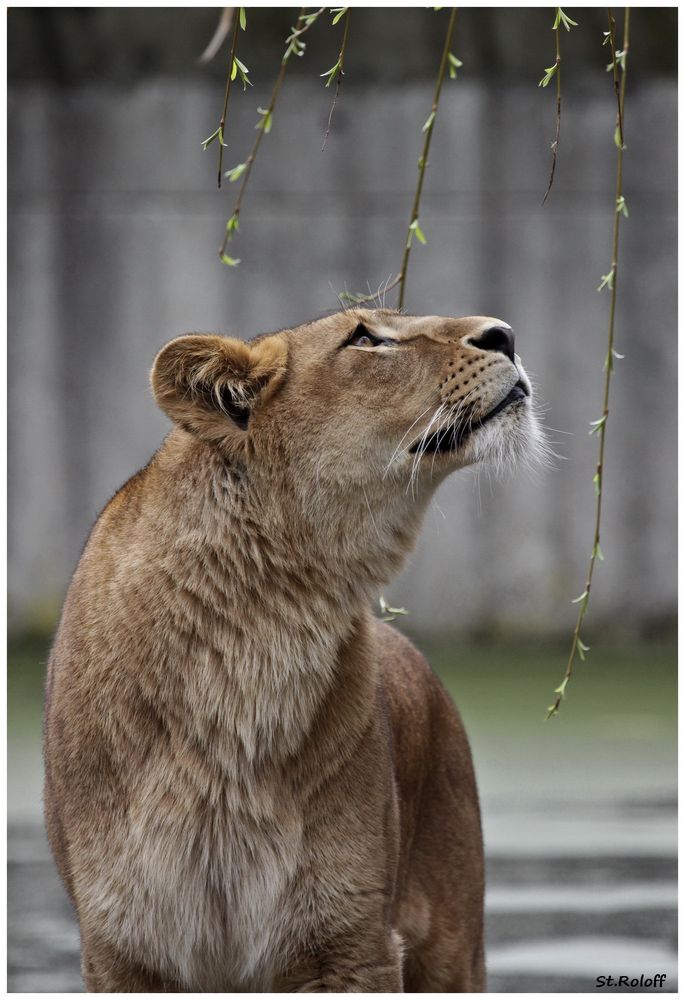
208 898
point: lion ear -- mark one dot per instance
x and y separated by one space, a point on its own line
210 385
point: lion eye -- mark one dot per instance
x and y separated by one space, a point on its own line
361 337
363 340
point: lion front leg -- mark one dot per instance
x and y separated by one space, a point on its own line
106 970
353 965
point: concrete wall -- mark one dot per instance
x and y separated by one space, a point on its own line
114 222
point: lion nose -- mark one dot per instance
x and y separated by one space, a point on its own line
496 338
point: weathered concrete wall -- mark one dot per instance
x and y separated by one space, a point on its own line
113 227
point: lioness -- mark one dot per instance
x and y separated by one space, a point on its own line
251 783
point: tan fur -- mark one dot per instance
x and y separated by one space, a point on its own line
251 783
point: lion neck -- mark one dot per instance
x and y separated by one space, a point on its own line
288 573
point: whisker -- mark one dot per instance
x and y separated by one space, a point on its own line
422 446
556 430
394 454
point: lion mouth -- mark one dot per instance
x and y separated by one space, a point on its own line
451 438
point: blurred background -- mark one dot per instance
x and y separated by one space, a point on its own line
114 222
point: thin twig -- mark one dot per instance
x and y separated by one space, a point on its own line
340 74
227 94
614 68
293 45
359 300
599 426
555 144
292 42
423 161
217 39
561 20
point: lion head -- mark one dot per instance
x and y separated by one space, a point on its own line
357 396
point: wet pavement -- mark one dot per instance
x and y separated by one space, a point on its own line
555 921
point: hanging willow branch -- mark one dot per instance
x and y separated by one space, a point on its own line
294 46
555 71
235 67
338 71
414 229
578 648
